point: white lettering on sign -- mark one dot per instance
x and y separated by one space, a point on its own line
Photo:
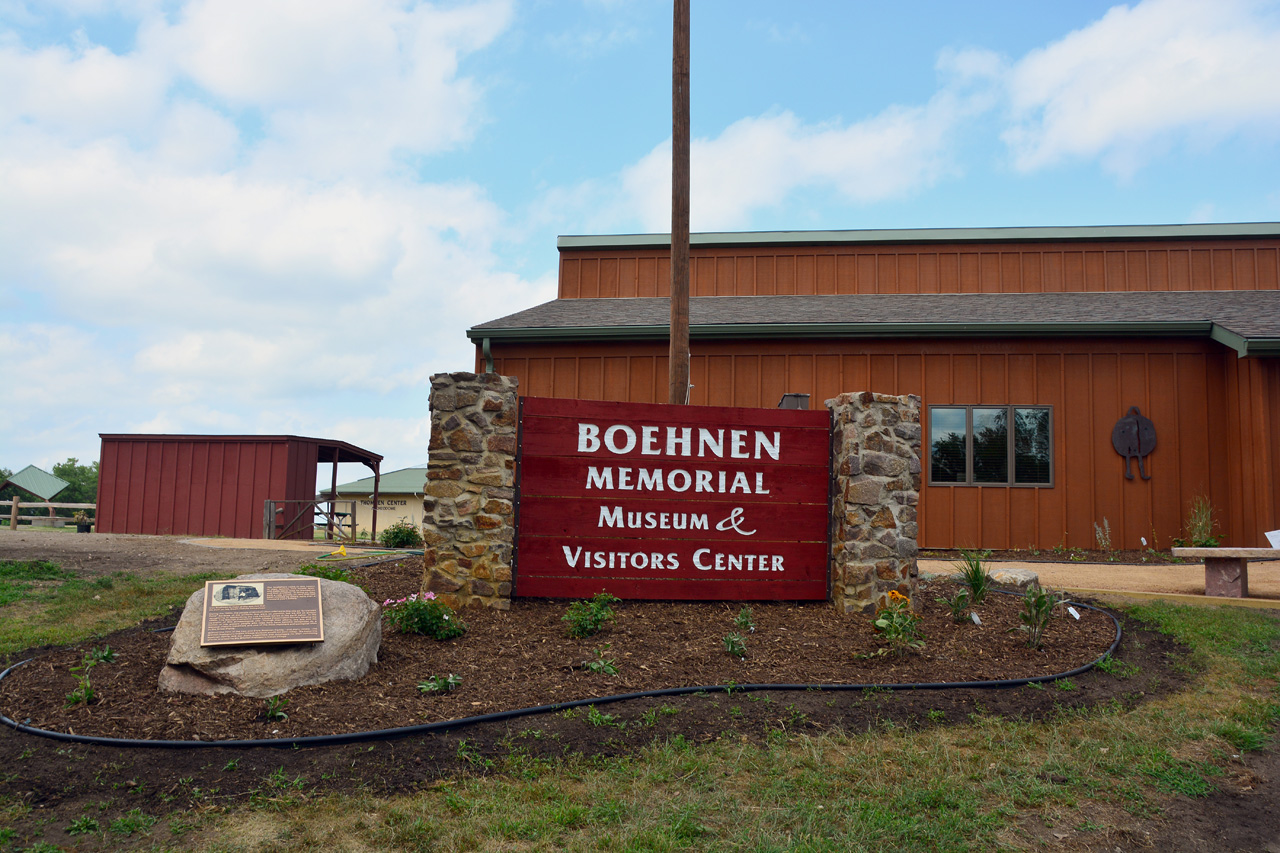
705 561
620 439
732 521
615 517
620 559
675 479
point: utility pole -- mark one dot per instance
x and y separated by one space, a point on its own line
678 355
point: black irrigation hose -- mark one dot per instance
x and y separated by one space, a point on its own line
449 725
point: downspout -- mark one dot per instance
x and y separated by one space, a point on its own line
488 356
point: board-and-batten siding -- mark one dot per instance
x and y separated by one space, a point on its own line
1013 268
1089 384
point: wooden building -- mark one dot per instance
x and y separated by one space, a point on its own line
216 485
1026 345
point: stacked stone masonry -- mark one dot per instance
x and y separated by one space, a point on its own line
875 445
469 498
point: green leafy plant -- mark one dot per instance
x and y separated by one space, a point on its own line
744 621
401 534
1116 667
274 710
329 573
106 654
440 683
132 821
425 615
585 618
958 604
735 645
84 691
1037 611
601 665
83 825
973 574
900 625
596 717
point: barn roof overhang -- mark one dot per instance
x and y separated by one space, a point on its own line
329 450
1246 321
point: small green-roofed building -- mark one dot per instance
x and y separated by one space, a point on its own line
37 482
399 497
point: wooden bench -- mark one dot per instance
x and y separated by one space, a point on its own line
1226 570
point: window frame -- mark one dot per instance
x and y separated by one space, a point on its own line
1011 463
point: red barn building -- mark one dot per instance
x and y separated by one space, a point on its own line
215 485
1027 346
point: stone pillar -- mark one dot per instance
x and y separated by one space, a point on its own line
468 515
875 442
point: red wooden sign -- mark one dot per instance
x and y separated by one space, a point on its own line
671 502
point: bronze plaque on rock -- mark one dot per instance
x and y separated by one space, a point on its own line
250 612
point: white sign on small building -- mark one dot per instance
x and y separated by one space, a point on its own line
399 498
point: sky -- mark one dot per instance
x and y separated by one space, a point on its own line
281 216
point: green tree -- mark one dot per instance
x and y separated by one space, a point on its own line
83 480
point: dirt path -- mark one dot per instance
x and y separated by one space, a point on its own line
103 553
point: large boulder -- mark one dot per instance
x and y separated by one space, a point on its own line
352 635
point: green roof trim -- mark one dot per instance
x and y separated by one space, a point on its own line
406 481
1214 231
38 482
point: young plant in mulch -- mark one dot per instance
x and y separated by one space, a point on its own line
84 691
439 684
273 709
735 645
601 665
585 618
958 604
1037 611
424 615
973 574
744 621
900 625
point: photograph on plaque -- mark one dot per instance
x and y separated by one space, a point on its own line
236 594
239 612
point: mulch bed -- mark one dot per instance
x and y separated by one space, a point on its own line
522 658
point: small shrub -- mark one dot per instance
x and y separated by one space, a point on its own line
735 645
440 683
744 621
973 574
900 625
425 615
1037 611
401 534
585 618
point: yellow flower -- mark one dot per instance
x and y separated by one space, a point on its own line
894 595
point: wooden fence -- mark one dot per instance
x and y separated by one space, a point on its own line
49 520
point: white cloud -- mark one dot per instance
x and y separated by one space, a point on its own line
1144 77
758 162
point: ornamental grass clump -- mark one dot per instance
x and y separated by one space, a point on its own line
424 615
900 625
973 574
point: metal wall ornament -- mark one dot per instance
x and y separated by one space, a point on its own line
1134 436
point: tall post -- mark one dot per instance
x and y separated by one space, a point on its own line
678 355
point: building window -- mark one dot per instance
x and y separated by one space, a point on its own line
972 446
